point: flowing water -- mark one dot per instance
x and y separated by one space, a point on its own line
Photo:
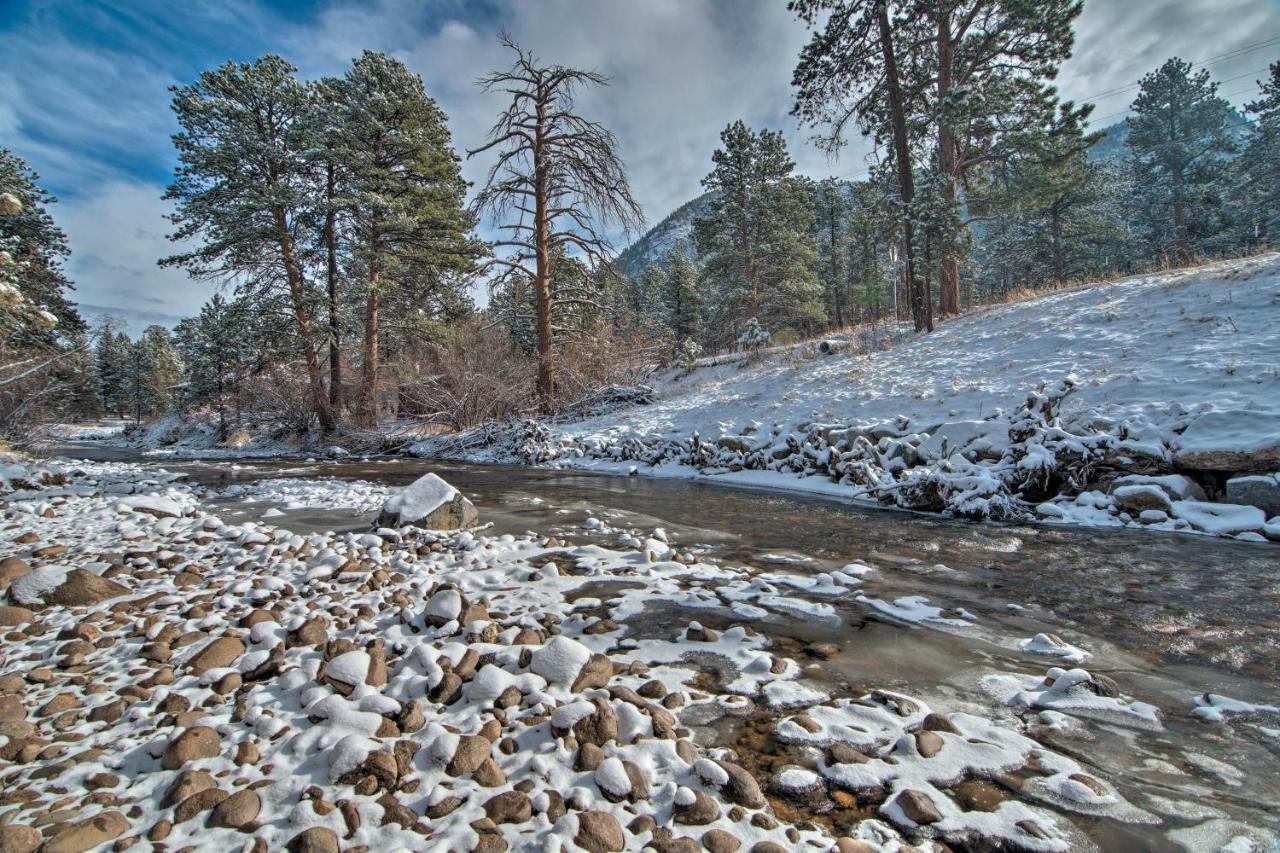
1168 616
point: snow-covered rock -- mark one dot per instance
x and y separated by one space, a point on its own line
431 503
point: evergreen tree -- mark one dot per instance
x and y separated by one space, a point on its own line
1178 139
160 371
244 187
682 297
756 235
218 349
1258 168
403 194
36 249
111 357
960 80
830 213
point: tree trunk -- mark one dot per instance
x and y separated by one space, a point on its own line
301 316
335 340
1180 220
835 267
542 250
948 265
921 310
1055 229
369 366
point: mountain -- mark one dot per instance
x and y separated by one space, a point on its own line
652 248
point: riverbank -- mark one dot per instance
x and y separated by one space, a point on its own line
194 681
1149 402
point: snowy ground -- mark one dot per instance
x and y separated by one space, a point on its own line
170 676
1172 373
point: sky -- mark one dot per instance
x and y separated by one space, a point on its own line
83 91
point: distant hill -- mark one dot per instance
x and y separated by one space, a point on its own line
661 238
652 248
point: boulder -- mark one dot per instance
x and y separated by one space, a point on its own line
58 585
192 745
1233 441
431 503
317 839
16 838
1260 490
599 832
12 568
218 654
1139 498
87 834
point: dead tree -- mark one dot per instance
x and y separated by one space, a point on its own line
557 186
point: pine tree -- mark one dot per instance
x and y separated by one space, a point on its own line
161 371
218 348
1178 139
830 214
756 235
1258 168
111 355
961 79
36 249
404 197
244 187
682 297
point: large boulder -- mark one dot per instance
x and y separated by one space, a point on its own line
1236 441
431 503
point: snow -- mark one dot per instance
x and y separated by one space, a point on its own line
31 588
419 499
1157 364
611 776
349 668
313 735
560 660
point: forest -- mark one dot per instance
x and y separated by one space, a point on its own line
356 279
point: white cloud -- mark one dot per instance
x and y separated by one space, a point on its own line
117 233
93 116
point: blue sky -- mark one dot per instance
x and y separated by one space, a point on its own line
83 90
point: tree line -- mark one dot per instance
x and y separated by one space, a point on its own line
333 215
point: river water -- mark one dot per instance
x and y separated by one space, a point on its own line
1168 616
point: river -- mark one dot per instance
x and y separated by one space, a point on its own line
1168 616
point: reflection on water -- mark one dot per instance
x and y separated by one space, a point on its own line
1168 616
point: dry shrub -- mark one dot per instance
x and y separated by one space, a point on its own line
477 377
605 356
277 399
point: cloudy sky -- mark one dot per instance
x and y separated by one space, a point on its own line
83 90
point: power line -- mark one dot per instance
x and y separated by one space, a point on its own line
1213 60
1224 97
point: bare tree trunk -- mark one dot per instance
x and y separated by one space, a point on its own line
921 310
335 332
542 250
293 272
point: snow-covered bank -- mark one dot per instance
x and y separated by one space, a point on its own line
1153 401
173 677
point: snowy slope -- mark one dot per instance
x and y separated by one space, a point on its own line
1151 350
1151 401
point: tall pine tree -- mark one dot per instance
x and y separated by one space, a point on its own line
756 234
1178 139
